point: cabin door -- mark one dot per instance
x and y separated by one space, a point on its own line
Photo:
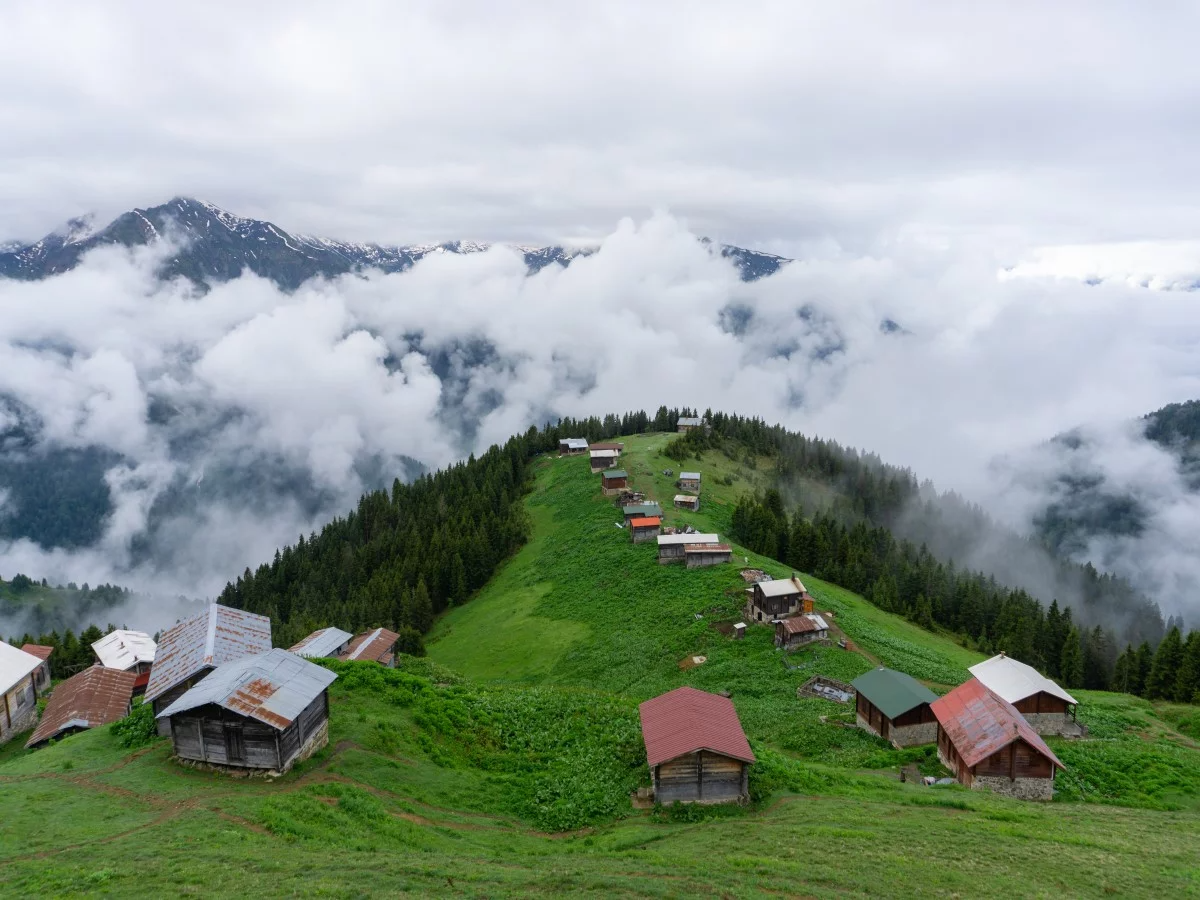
235 744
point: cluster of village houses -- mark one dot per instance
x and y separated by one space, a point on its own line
988 731
228 699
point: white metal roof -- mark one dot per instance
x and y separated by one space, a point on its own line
575 443
124 649
688 420
689 476
817 620
667 540
1013 680
780 587
687 498
322 643
605 454
14 666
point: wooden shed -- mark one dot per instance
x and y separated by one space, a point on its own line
798 631
687 423
614 480
188 651
378 645
18 689
1044 705
645 529
698 555
689 481
641 510
261 712
323 644
777 599
672 547
95 697
609 445
896 707
687 501
696 748
572 446
986 743
602 459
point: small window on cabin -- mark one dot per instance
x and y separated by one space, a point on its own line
235 745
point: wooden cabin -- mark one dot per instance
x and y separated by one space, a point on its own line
614 480
96 696
986 743
128 651
572 446
378 645
896 707
672 547
695 747
188 651
645 529
699 555
1045 706
609 445
641 511
779 598
687 501
325 643
687 423
262 712
19 677
799 631
689 481
602 459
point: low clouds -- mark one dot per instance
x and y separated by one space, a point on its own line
244 416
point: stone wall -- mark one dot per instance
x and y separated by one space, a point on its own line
22 720
1021 788
914 735
315 742
1051 723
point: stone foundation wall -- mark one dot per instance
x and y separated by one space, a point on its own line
315 742
914 735
22 720
1050 723
864 724
1021 788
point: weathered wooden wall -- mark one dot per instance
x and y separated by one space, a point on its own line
704 777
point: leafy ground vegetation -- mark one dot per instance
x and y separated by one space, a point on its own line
501 765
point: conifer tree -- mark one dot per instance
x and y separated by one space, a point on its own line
1187 682
1071 665
1160 684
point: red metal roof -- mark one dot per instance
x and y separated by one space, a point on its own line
645 522
94 697
706 548
686 720
39 650
372 645
978 723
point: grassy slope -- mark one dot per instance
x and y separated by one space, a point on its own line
445 794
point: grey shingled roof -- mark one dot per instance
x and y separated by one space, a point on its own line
892 693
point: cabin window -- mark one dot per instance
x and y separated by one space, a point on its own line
235 744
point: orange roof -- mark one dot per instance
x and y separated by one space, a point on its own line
645 522
686 720
39 650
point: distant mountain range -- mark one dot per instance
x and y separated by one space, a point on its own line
219 246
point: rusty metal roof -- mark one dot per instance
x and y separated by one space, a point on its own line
322 643
41 651
371 645
96 696
15 666
686 720
216 636
645 522
979 722
809 622
707 548
124 649
608 445
272 688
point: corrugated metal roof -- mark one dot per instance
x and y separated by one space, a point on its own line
979 722
124 649
688 420
780 587
322 643
41 651
809 622
96 696
1014 680
272 688
614 473
15 665
689 476
892 693
670 540
635 509
371 645
603 454
608 445
706 548
686 720
214 637
645 522
686 498
574 443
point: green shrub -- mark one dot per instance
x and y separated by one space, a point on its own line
138 728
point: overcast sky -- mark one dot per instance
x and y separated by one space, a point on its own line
774 125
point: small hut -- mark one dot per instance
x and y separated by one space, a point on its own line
645 529
777 599
699 555
614 480
672 547
95 697
687 501
799 631
128 651
572 446
696 748
323 644
602 459
261 712
689 481
986 743
641 510
687 423
896 707
378 646
18 690
1044 705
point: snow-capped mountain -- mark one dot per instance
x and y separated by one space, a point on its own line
219 246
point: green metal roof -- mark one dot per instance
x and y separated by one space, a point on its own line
615 473
892 693
634 509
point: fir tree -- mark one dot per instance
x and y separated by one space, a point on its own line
1071 664
1160 684
1187 682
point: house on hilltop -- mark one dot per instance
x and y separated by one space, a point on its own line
262 712
695 747
188 651
378 646
322 644
614 480
687 423
896 707
689 481
986 743
1044 705
572 446
127 651
672 548
778 598
96 696
19 677
799 631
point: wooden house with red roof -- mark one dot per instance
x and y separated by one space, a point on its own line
645 528
986 743
95 697
696 748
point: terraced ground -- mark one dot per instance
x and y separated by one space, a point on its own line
502 765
